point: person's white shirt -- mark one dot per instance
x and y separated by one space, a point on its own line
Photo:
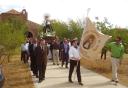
69 44
35 45
74 53
26 46
23 47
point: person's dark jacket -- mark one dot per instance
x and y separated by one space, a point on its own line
41 54
56 46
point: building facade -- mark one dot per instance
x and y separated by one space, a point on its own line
23 15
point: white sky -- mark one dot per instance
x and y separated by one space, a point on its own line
114 10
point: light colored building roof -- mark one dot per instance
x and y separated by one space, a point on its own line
13 11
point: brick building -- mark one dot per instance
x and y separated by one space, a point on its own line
31 26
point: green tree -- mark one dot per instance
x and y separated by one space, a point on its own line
106 28
103 26
12 33
67 30
61 29
75 29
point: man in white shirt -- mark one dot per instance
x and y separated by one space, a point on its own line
74 61
24 52
26 46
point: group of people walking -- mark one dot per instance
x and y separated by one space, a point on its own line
62 53
37 50
65 51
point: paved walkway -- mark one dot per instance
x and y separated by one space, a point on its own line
57 77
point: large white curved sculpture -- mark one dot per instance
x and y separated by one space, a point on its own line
92 41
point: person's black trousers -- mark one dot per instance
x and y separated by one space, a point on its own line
65 59
40 71
73 64
43 70
33 64
24 56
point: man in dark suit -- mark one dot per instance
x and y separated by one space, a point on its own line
31 48
41 53
65 50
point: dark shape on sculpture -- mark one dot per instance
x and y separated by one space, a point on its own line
103 52
88 43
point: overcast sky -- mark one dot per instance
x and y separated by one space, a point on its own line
115 10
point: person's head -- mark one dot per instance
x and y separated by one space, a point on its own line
65 41
31 40
118 40
42 42
74 43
